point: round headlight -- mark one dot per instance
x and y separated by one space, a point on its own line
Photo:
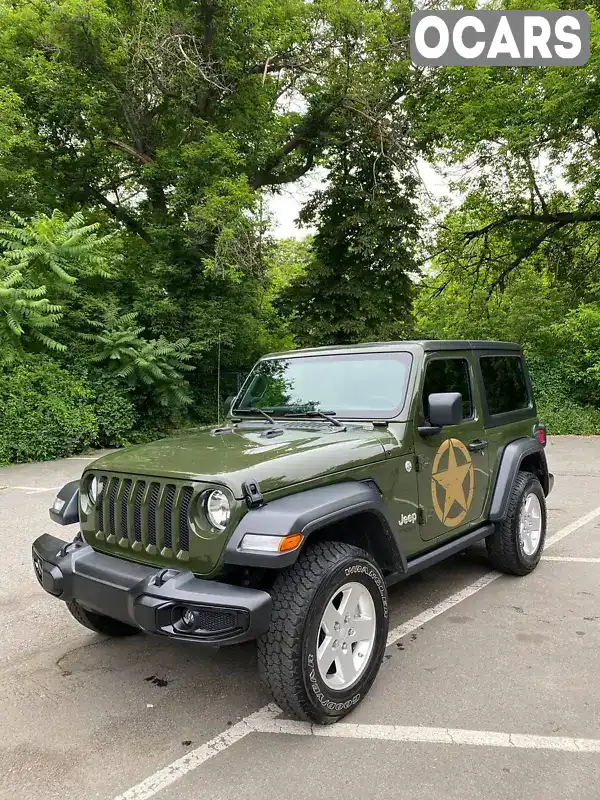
218 509
95 487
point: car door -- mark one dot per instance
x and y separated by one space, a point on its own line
453 469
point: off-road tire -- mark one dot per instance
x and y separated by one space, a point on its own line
287 651
504 546
99 623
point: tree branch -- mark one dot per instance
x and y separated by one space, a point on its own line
120 214
130 151
525 253
562 217
304 137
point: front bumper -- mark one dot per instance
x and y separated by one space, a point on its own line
149 598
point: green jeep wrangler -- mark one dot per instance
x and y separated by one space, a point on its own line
342 470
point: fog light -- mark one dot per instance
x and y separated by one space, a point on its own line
188 618
37 566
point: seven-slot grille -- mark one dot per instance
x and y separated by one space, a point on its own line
148 514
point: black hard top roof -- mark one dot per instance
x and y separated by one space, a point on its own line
423 344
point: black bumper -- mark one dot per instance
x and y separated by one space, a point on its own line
150 598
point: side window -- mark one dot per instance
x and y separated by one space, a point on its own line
504 383
448 375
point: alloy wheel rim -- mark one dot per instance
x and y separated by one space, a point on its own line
346 636
530 524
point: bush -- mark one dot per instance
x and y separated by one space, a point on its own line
115 412
567 417
560 398
45 412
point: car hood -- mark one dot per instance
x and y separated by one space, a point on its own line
253 453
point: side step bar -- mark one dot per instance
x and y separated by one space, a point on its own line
440 553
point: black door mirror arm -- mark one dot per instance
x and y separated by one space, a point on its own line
428 430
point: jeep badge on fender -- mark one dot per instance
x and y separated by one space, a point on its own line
290 524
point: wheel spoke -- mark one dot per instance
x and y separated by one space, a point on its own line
330 618
326 654
345 662
363 628
350 600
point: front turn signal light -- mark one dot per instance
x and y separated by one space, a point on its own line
290 542
261 543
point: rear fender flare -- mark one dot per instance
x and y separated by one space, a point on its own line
511 460
307 512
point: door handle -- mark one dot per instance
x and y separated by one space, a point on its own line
477 444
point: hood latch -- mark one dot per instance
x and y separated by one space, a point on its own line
253 494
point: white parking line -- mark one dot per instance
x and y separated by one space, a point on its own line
404 733
431 613
568 529
265 715
571 559
165 777
35 489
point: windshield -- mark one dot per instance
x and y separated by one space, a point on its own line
356 385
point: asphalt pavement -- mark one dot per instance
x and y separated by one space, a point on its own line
490 687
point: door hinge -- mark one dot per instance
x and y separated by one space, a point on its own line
421 515
419 463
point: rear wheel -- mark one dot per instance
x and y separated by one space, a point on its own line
98 622
328 632
517 543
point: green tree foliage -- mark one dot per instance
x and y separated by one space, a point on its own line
561 342
40 261
142 363
168 120
357 286
519 258
24 313
526 142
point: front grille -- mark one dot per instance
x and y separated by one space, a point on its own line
169 497
184 517
153 514
137 510
152 500
112 499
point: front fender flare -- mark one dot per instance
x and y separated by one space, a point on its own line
69 511
306 512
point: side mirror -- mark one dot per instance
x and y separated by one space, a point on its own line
445 408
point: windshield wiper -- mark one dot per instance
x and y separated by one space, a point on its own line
257 410
328 415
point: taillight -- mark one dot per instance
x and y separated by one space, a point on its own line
539 433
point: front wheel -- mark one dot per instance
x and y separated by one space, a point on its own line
328 632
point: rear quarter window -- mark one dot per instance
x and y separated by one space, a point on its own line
505 384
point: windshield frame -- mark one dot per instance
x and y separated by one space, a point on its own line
277 412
